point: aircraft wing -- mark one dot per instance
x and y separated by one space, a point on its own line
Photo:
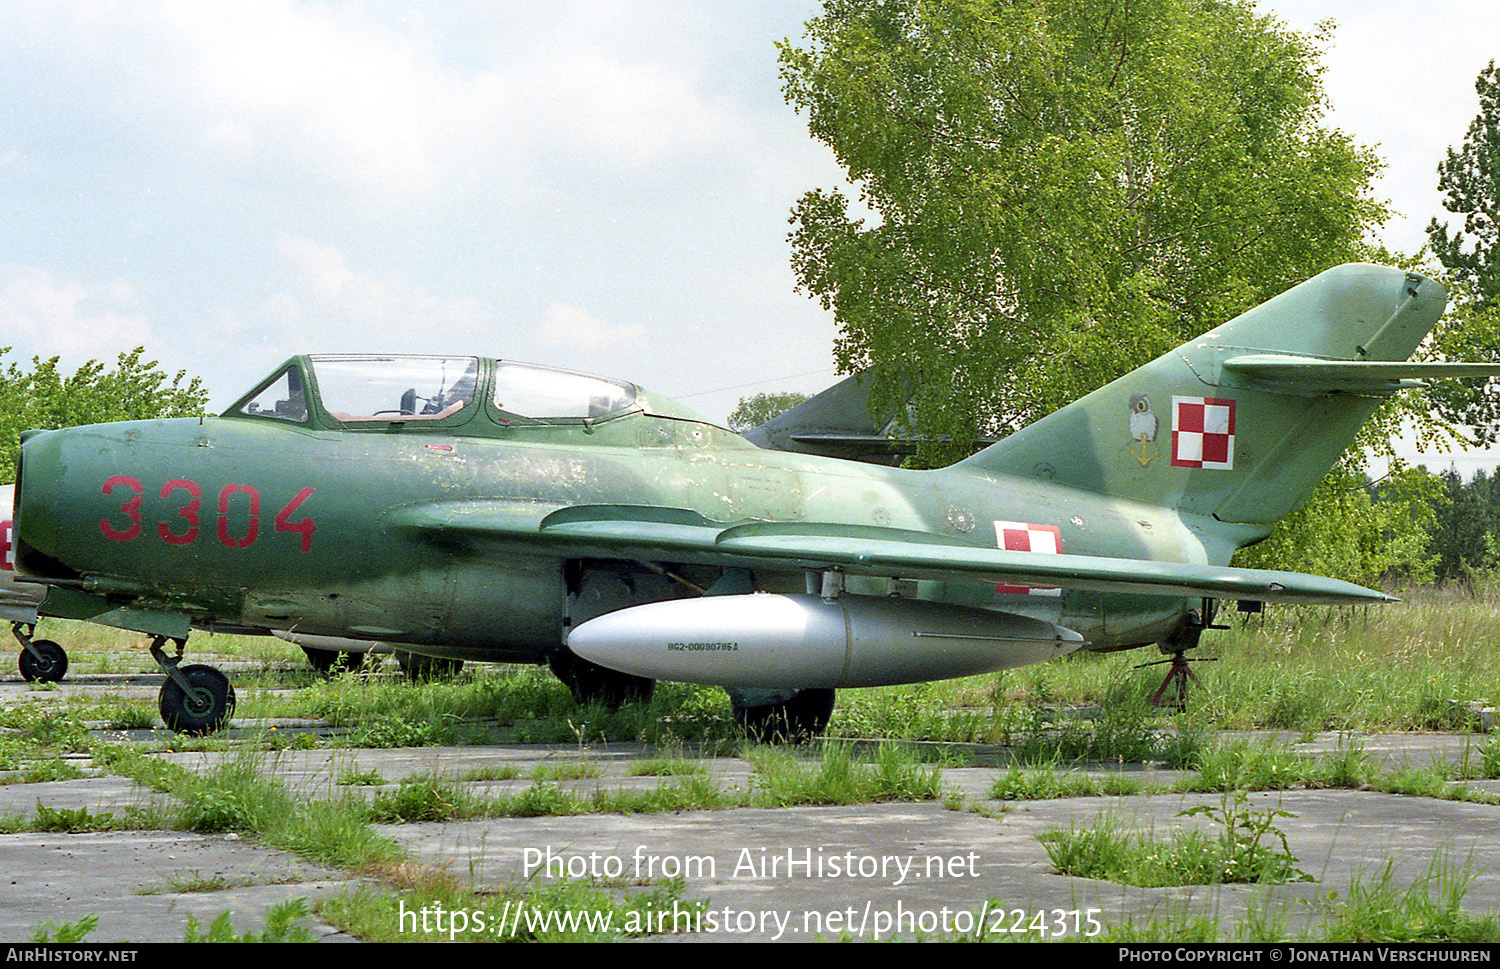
681 535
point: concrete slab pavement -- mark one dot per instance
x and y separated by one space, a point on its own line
782 873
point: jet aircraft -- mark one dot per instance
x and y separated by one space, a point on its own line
479 508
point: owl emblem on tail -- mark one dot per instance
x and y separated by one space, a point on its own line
1143 427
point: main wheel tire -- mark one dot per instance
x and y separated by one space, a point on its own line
802 718
418 667
592 683
204 710
49 666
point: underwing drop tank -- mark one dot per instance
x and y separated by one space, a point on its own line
807 641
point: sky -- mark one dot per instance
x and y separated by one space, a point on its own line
602 185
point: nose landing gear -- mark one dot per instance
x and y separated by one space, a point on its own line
41 660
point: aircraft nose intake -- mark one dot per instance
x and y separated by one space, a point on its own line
39 480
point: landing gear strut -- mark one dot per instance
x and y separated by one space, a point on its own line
41 660
195 699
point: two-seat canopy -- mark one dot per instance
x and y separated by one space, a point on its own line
370 390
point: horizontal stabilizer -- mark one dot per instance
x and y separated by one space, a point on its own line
1315 373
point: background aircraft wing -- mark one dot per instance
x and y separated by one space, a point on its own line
681 535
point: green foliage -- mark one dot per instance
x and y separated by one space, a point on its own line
1060 191
137 716
1271 766
423 799
665 767
1375 909
1018 784
1359 533
1464 534
1239 854
71 820
1469 179
66 932
235 796
61 729
281 926
893 773
1243 833
756 409
361 778
1126 727
525 705
43 397
52 769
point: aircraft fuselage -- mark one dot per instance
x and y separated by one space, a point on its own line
255 524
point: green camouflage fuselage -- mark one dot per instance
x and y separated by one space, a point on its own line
243 522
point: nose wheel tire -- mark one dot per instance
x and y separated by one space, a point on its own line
202 710
43 662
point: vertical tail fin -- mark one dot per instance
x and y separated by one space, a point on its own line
1242 422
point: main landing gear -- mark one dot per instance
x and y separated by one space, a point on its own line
420 669
782 716
331 662
592 683
41 660
195 699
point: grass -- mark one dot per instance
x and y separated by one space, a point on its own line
238 796
1381 668
1047 783
496 705
281 927
1377 668
781 778
1267 765
1385 669
1243 845
665 767
1374 908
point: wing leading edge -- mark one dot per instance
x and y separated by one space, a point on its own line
681 535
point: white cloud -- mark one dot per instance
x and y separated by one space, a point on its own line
325 295
369 99
47 315
566 325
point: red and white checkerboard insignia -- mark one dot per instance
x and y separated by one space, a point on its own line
7 549
1203 433
1025 537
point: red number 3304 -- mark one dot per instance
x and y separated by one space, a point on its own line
237 526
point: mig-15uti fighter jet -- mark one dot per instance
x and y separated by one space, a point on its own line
478 508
